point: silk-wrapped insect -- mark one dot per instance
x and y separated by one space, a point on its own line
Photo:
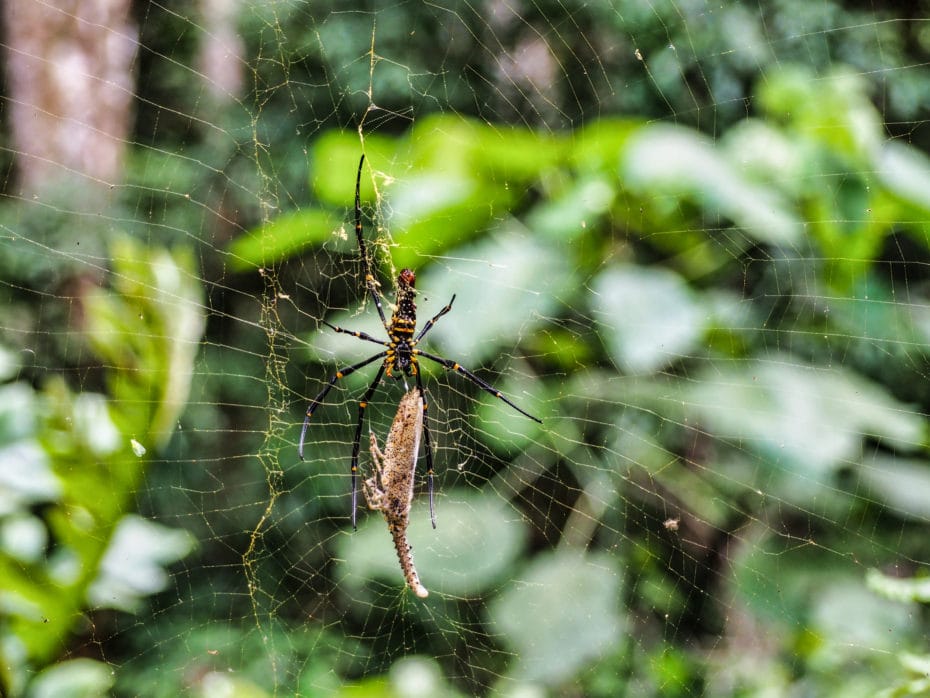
390 489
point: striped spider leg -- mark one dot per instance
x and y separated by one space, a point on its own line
400 356
390 489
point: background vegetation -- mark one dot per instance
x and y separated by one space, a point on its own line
693 240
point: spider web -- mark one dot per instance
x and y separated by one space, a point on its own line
691 239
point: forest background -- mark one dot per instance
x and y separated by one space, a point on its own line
692 238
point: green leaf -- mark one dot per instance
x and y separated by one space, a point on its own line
669 161
834 109
334 165
74 678
905 172
516 153
560 615
500 154
505 286
598 145
900 589
133 565
806 421
901 484
477 540
648 318
284 236
575 212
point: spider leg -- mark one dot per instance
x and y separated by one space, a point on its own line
355 333
322 394
356 445
377 460
429 449
429 325
487 387
370 283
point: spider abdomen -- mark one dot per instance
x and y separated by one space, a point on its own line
402 327
404 319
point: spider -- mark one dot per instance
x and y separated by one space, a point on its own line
400 356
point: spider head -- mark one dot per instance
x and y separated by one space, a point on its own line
406 279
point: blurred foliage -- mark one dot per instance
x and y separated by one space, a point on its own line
70 466
714 380
718 304
543 65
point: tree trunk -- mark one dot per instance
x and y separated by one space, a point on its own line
70 66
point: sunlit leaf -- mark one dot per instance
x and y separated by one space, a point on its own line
25 476
902 484
505 286
9 363
222 683
153 318
575 212
560 614
766 154
23 537
671 161
846 613
93 425
435 211
138 449
283 236
419 677
599 143
497 153
133 565
17 412
905 171
73 678
903 589
476 540
806 421
334 166
648 317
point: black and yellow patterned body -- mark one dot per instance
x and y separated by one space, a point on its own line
402 327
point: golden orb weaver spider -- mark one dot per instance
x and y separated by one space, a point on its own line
400 355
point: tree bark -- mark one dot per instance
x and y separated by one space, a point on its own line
70 77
